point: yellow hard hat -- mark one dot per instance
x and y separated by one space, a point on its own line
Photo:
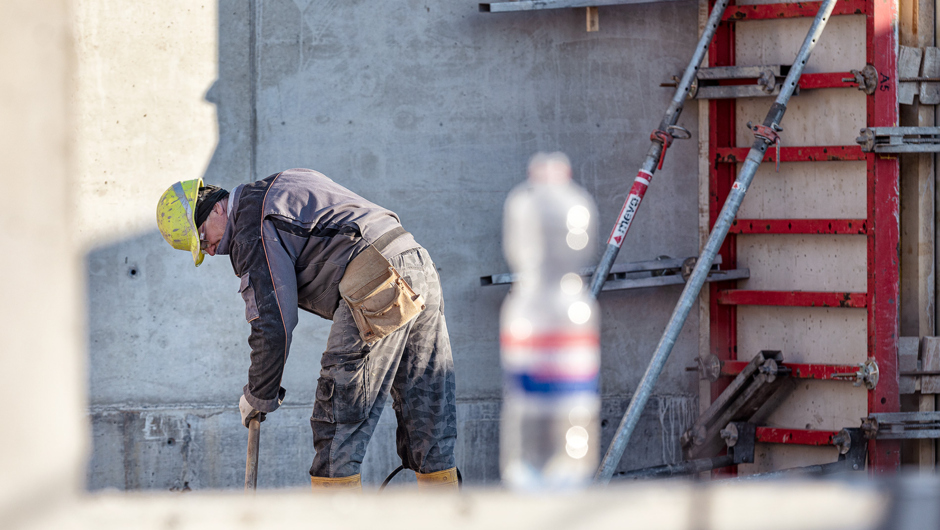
176 217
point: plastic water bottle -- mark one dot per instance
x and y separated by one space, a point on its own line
549 333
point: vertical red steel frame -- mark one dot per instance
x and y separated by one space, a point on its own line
721 115
721 130
884 238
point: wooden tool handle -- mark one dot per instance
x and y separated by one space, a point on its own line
251 462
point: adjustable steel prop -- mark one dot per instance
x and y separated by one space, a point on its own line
660 140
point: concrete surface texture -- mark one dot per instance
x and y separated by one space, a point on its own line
431 109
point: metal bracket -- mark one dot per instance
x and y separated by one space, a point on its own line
709 367
866 139
842 441
729 434
900 139
741 439
867 79
665 138
533 5
768 80
639 274
768 135
679 133
867 374
688 266
870 427
771 369
748 398
902 425
740 451
853 448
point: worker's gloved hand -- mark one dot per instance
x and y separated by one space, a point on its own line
248 411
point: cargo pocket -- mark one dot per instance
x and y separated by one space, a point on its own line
342 395
323 406
248 295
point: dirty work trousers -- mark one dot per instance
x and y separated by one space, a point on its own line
413 365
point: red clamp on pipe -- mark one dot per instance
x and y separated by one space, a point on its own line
664 138
769 135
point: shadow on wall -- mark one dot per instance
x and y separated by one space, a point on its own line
432 112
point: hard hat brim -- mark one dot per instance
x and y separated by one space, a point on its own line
194 246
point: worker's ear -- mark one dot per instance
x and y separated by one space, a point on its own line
219 208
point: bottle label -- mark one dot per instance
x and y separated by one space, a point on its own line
552 363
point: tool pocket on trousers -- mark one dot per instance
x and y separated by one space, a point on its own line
323 406
248 295
380 300
342 395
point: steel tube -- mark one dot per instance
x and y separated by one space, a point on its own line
635 197
687 467
818 469
251 462
715 240
905 417
533 5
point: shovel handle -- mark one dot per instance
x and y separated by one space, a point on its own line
251 463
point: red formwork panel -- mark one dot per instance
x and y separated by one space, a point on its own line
881 227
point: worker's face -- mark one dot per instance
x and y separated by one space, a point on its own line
211 231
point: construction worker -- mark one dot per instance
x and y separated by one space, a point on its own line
297 239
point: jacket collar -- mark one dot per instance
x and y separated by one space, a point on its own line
230 210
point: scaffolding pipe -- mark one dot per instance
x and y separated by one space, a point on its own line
682 468
659 142
765 136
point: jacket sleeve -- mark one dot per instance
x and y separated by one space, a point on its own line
273 286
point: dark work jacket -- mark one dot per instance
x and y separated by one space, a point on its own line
289 237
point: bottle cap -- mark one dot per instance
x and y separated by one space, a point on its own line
550 168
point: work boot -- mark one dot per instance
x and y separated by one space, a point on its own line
438 481
351 484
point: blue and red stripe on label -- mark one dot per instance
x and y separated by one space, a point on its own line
555 363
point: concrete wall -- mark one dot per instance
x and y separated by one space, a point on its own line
430 109
44 435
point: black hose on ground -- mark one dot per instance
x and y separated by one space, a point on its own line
390 477
398 470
